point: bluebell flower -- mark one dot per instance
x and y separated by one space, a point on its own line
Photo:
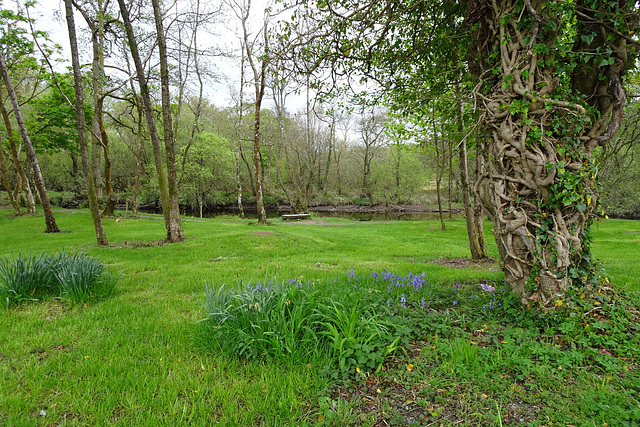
388 303
374 275
456 286
487 288
351 272
422 302
455 303
403 301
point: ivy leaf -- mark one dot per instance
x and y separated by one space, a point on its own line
588 38
606 61
581 207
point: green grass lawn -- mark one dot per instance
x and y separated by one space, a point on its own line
132 359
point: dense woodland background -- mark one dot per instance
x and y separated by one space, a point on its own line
318 153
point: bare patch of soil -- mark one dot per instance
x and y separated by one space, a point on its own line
489 264
309 222
141 244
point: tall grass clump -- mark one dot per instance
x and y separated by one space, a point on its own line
262 321
297 322
28 277
82 278
74 276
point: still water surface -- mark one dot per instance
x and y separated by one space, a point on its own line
354 216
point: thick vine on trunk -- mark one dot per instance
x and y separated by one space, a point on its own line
539 186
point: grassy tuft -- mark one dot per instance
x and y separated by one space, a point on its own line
74 276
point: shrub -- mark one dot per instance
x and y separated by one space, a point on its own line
75 276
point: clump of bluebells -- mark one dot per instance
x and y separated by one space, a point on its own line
412 292
356 321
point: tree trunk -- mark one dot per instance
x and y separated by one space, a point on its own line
262 214
139 169
101 236
540 183
249 170
174 227
365 191
450 175
239 183
259 85
23 181
279 97
151 121
478 214
5 181
475 229
239 134
51 226
336 157
332 141
110 201
439 171
475 233
397 174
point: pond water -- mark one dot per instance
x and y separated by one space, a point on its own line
345 214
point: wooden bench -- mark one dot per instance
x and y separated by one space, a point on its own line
295 216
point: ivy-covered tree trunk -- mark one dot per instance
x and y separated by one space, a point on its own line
548 77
